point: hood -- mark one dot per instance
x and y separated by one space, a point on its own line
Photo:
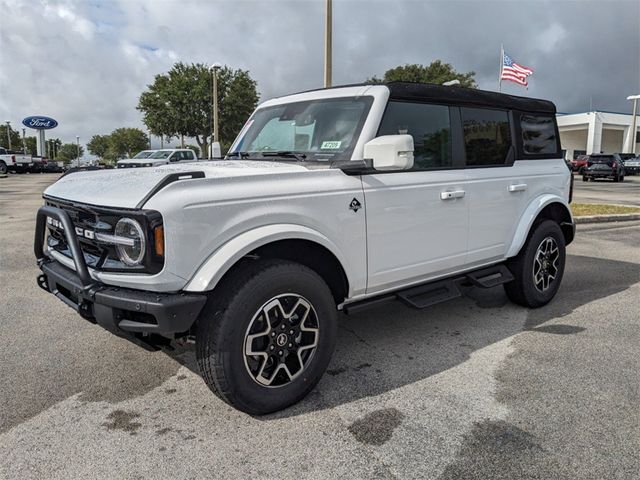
127 187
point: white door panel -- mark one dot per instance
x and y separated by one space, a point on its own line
416 225
494 209
498 198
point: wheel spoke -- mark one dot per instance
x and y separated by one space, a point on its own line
289 338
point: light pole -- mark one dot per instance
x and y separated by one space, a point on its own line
9 133
328 32
78 148
24 141
214 73
633 121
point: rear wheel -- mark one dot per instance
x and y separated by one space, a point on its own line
585 178
539 267
616 178
266 336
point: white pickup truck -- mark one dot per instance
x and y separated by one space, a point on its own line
11 161
155 158
331 200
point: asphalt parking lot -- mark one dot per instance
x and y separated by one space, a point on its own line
606 191
473 388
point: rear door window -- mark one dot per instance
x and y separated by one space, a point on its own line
538 134
487 136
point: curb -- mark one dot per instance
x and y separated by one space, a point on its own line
620 217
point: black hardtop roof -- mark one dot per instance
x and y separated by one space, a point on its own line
456 95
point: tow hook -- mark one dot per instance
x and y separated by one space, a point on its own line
86 311
42 282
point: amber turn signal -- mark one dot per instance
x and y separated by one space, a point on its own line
158 234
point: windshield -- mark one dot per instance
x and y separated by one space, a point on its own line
144 154
161 154
322 130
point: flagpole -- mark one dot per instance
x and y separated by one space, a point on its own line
501 64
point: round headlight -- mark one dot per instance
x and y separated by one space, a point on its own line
130 254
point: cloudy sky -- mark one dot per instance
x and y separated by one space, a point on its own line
85 62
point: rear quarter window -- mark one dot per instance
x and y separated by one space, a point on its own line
538 134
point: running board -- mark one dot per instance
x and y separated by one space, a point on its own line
432 293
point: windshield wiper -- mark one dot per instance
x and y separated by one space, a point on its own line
237 154
286 154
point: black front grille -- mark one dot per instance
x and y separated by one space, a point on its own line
89 220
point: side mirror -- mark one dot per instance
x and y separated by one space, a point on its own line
390 152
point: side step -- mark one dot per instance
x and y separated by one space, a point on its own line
439 291
490 277
430 294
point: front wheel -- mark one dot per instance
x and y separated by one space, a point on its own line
266 336
585 178
3 167
539 267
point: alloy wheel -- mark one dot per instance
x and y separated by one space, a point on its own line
281 340
545 264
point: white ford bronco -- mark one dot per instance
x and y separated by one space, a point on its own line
330 200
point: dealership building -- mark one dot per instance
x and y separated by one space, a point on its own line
595 132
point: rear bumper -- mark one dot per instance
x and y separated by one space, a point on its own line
122 310
119 310
18 167
599 174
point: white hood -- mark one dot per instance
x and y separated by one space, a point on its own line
127 187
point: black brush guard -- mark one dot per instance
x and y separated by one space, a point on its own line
119 310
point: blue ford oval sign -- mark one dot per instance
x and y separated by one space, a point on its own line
40 123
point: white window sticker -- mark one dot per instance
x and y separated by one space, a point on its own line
330 145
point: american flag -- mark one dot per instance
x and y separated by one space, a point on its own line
513 72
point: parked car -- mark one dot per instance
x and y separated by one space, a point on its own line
54 167
160 157
38 164
334 199
12 161
579 164
626 157
604 166
631 165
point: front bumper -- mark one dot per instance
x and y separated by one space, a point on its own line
119 310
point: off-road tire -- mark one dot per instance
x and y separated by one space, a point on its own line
223 325
522 289
3 167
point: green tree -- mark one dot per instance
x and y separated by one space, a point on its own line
436 72
51 147
126 142
68 152
98 145
32 145
180 103
16 140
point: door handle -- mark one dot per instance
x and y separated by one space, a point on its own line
519 187
451 195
